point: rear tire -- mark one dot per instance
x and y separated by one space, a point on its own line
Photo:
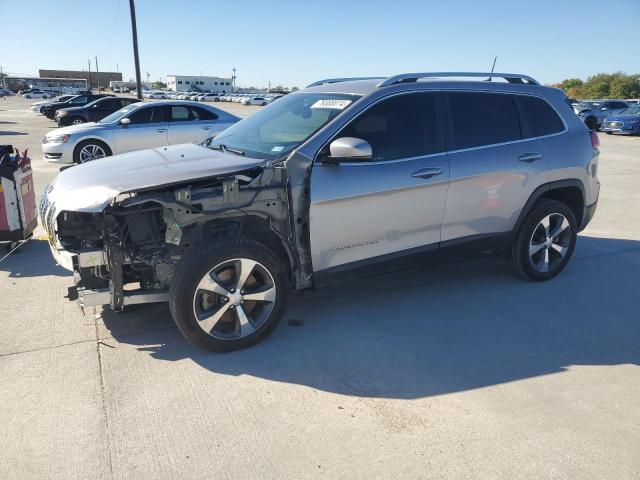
228 295
545 241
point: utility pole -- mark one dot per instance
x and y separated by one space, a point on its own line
89 62
97 74
134 32
233 80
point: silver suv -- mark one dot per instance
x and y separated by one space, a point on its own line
345 178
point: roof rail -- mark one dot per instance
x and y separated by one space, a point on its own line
414 77
338 80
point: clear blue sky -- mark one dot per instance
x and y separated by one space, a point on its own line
296 42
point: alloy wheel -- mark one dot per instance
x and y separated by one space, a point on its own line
91 152
76 121
550 242
234 299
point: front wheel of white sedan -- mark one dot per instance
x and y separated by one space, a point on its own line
229 295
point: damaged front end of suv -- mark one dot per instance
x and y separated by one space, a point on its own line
123 243
219 230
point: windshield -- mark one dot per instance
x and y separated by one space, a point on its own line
118 114
279 128
635 110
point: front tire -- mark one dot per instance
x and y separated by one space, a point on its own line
590 122
545 241
228 295
89 150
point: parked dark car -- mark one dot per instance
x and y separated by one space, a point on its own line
77 101
92 112
626 122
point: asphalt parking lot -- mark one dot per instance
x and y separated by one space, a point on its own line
455 371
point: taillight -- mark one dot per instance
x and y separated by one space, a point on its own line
595 141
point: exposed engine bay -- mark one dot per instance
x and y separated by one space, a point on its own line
127 252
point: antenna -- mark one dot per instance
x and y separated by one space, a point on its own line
492 67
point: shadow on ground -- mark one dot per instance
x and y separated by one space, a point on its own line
33 259
426 332
2 132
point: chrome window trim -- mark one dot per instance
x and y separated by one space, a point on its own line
395 160
445 90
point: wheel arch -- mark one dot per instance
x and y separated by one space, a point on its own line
569 191
91 138
252 226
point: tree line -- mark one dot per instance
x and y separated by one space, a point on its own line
603 85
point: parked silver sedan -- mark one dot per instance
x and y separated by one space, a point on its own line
135 127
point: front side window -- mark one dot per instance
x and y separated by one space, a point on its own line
403 126
483 119
79 100
147 115
540 118
276 130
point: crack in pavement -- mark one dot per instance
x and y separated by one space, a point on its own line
100 340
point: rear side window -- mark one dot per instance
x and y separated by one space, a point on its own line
403 126
539 117
483 119
202 114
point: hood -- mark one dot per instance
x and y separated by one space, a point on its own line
622 118
71 129
91 186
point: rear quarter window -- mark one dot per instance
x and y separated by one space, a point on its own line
481 118
539 118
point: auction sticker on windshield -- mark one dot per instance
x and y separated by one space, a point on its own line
332 103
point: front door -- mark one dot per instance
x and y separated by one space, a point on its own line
391 205
148 129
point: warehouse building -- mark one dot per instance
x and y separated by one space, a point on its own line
101 78
65 85
183 83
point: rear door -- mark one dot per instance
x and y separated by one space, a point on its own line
493 169
392 205
190 124
148 129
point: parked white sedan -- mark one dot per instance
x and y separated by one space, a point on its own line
255 101
135 127
43 95
208 97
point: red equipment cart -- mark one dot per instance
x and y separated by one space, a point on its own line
17 198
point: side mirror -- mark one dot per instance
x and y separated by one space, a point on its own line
125 122
349 149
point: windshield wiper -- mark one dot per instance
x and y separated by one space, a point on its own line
224 149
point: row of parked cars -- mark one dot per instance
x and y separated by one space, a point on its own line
101 125
245 99
610 116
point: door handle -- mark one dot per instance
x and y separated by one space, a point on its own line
161 130
529 157
427 172
206 128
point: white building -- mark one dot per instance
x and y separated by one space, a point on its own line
183 83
